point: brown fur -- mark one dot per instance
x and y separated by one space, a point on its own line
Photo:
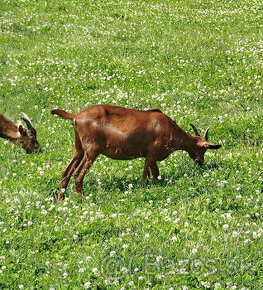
18 135
124 134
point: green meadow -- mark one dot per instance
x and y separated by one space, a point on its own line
198 61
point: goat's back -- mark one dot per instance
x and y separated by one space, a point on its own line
7 127
123 133
123 119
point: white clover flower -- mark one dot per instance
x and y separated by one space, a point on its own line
182 271
159 258
107 282
44 212
174 238
131 283
75 237
87 285
116 282
206 284
246 241
112 253
180 262
225 226
228 215
235 234
217 285
194 250
95 271
167 219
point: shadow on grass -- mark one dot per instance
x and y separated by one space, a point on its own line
185 180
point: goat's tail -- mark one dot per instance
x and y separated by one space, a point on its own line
63 114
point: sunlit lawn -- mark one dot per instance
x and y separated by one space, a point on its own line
200 62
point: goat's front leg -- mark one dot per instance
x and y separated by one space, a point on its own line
146 172
149 164
84 166
68 171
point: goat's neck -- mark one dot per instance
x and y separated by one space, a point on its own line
13 137
184 141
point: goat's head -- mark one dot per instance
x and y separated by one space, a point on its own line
197 153
28 136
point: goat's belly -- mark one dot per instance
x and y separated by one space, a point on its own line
119 154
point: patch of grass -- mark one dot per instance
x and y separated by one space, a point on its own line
201 63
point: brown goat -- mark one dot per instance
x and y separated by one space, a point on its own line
26 138
124 134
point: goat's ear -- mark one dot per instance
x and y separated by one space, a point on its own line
21 129
210 146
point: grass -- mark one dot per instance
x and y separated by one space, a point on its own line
201 63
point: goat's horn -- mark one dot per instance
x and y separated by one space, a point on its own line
206 134
29 123
195 130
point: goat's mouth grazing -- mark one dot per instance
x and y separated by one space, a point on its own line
29 151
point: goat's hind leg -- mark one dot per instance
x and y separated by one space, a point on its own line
73 164
67 172
84 166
